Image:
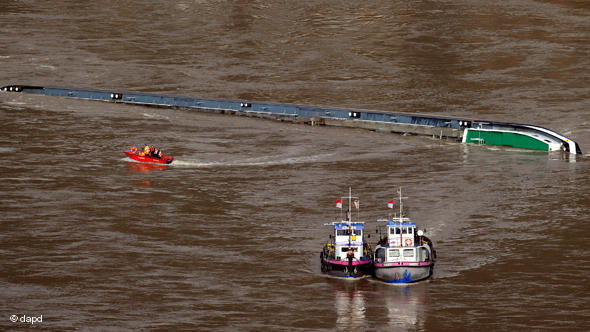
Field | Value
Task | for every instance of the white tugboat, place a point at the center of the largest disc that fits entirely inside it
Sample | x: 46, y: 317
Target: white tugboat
x: 403, y: 254
x: 347, y: 255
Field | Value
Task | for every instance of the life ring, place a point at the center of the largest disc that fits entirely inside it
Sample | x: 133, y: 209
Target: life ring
x: 133, y: 149
x: 408, y: 242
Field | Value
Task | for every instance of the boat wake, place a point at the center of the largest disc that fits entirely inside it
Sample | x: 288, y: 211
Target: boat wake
x: 6, y: 149
x: 263, y: 162
x: 155, y: 116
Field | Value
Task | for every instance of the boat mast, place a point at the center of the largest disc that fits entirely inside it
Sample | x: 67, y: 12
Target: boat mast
x: 401, y: 203
x: 349, y: 216
x: 401, y: 215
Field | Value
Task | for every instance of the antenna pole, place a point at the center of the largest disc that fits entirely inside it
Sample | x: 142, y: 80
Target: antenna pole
x: 401, y: 216
x: 401, y: 203
x: 349, y: 210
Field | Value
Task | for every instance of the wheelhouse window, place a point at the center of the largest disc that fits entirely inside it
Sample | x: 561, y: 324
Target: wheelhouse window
x: 407, y: 230
x: 346, y: 232
x: 394, y: 230
x: 345, y: 249
x: 380, y: 255
x: 393, y: 253
x: 409, y: 253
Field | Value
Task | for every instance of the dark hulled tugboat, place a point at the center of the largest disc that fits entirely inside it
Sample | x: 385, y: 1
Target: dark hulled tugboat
x: 347, y: 255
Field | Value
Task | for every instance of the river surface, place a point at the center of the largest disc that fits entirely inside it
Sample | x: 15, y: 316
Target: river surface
x: 227, y: 238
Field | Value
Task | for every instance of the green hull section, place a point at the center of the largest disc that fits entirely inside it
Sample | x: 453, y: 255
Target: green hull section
x: 505, y: 138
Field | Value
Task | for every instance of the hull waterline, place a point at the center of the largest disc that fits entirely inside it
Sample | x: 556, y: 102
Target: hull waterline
x: 403, y: 274
x: 343, y: 269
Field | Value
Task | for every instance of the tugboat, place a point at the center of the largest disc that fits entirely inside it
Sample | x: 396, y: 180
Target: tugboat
x: 347, y: 255
x: 403, y: 254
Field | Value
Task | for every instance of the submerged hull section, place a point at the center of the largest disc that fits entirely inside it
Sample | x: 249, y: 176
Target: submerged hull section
x: 403, y: 274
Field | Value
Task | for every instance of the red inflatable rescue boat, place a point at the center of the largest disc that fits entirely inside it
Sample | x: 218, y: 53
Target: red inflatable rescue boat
x: 134, y: 154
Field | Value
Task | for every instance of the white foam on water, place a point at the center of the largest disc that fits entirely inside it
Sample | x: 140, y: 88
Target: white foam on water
x: 17, y: 103
x: 50, y: 67
x: 155, y: 116
x: 249, y: 162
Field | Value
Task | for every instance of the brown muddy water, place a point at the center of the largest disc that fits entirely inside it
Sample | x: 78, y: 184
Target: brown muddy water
x: 228, y: 237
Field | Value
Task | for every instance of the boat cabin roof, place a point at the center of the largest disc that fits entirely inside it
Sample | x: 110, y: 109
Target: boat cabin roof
x: 404, y: 222
x: 346, y: 225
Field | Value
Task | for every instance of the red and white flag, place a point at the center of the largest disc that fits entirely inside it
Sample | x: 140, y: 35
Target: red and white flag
x: 339, y: 203
x: 390, y: 204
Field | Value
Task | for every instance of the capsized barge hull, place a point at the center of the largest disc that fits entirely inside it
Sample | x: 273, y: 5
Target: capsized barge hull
x: 520, y: 136
x: 404, y: 123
